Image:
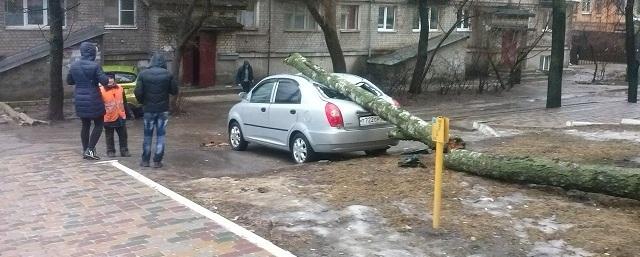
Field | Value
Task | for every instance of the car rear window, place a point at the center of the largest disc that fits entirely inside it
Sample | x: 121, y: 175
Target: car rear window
x: 123, y: 77
x: 334, y: 94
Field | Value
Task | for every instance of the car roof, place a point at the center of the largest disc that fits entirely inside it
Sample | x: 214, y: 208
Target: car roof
x: 120, y: 68
x: 349, y: 77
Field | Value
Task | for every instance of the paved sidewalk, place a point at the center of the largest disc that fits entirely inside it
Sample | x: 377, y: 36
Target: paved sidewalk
x: 60, y: 205
x: 529, y: 110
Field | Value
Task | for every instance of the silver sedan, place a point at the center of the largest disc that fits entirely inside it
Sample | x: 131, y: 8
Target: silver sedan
x: 296, y: 114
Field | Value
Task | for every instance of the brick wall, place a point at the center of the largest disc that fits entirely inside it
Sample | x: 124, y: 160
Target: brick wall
x: 87, y: 13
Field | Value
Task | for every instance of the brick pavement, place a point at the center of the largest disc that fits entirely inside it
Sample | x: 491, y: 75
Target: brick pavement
x: 60, y: 205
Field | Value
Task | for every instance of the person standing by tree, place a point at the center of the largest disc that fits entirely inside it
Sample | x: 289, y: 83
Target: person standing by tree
x: 86, y: 74
x: 153, y: 88
x: 244, y: 76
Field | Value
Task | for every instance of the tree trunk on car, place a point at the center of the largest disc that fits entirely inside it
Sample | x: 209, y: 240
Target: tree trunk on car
x: 408, y: 124
x: 589, y: 178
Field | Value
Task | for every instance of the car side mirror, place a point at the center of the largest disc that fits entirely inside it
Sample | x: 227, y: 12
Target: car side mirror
x: 243, y: 95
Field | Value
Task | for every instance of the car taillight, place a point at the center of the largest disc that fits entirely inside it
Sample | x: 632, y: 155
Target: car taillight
x: 396, y: 103
x: 334, y: 116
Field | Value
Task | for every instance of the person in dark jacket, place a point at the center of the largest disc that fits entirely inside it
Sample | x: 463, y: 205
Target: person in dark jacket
x: 86, y: 75
x: 244, y: 76
x: 153, y: 88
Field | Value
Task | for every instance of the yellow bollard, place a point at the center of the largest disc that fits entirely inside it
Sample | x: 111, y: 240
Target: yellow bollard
x: 439, y: 134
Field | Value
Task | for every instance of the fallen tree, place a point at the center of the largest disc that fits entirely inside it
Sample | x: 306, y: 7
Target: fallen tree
x: 597, y: 179
x: 409, y: 126
x: 608, y: 180
x: 21, y: 117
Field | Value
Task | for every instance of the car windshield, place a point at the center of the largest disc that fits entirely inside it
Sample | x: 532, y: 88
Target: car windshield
x: 334, y: 94
x: 123, y: 77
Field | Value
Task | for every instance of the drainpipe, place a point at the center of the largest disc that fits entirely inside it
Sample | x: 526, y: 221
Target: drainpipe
x: 269, y: 41
x: 370, y: 27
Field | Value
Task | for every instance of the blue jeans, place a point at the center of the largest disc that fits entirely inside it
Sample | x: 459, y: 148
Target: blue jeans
x: 154, y: 121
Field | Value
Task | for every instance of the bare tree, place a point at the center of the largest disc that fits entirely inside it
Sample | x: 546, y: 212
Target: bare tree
x: 423, y: 48
x: 554, y: 90
x: 327, y: 19
x: 56, y: 17
x: 56, y: 53
x: 631, y: 51
x: 186, y: 19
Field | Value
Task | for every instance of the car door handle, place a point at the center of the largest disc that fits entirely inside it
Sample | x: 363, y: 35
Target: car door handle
x: 292, y: 111
x: 263, y: 109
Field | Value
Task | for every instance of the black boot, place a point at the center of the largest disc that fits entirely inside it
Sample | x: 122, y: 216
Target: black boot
x: 124, y: 152
x: 90, y: 154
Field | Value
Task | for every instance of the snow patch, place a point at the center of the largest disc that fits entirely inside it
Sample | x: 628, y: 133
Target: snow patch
x: 356, y: 229
x: 557, y: 248
x: 547, y: 226
x: 499, y: 206
x: 605, y: 135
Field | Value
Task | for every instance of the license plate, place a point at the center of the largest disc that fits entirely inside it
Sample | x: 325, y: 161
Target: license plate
x: 371, y: 120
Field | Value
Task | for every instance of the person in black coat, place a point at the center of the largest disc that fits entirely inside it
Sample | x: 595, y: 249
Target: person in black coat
x: 153, y: 88
x: 244, y: 76
x: 86, y: 75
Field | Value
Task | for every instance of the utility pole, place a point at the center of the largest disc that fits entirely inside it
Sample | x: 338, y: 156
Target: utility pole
x: 630, y: 46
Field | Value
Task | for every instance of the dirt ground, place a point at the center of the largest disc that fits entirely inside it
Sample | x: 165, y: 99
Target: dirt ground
x: 371, y: 207
x: 361, y: 206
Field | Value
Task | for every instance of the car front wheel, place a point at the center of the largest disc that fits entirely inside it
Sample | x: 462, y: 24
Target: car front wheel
x: 301, y: 150
x: 236, y: 139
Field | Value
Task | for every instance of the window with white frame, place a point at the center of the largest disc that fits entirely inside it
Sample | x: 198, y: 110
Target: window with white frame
x: 465, y: 22
x: 249, y: 17
x: 545, y: 62
x: 27, y: 13
x: 120, y: 13
x: 386, y: 18
x: 586, y: 6
x: 349, y: 19
x: 433, y: 20
x: 297, y: 17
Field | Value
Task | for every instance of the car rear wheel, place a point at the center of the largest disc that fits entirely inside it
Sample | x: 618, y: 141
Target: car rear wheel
x: 376, y: 152
x: 236, y: 139
x: 301, y: 150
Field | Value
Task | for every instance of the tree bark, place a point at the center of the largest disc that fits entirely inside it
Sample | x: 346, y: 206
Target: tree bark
x: 630, y: 45
x: 328, y: 24
x: 409, y: 125
x: 589, y: 178
x: 423, y: 49
x: 56, y: 54
x: 613, y: 181
x: 554, y: 89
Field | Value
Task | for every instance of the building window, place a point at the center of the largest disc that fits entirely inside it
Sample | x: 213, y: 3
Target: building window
x: 26, y: 13
x: 465, y: 23
x: 586, y: 6
x: 433, y: 20
x: 120, y: 13
x: 386, y: 18
x: 349, y: 17
x: 547, y: 21
x: 249, y: 17
x: 297, y: 17
x: 545, y: 61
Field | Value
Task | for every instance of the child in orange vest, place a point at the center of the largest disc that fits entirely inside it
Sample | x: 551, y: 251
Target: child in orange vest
x: 115, y: 117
